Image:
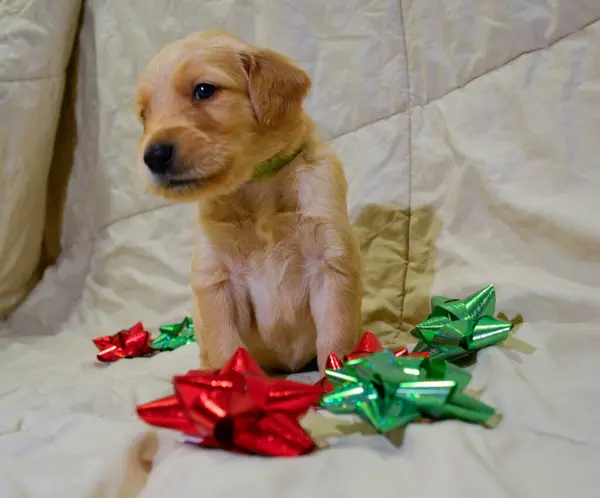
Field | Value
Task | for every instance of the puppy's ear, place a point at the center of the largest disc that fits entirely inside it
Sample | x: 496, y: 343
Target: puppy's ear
x: 276, y: 86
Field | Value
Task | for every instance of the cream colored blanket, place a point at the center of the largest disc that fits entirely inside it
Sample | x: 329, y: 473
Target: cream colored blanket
x: 469, y: 133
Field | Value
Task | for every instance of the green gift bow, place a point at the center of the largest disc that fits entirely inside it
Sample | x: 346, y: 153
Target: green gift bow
x: 174, y: 335
x: 390, y: 392
x: 458, y: 327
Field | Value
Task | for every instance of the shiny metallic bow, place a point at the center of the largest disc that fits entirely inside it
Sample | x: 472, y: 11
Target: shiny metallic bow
x: 458, y: 327
x: 129, y: 343
x: 175, y: 335
x: 238, y: 408
x: 367, y: 345
x: 389, y: 392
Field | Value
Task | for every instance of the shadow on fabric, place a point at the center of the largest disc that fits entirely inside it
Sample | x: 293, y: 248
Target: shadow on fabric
x: 399, y: 253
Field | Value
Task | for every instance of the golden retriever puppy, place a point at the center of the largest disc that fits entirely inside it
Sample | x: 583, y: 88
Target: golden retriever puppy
x: 276, y: 266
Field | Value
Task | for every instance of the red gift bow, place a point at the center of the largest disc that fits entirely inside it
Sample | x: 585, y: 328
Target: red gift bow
x: 367, y: 345
x: 238, y: 408
x: 124, y: 344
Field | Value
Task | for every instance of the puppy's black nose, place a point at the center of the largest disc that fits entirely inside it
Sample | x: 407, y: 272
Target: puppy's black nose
x: 159, y: 157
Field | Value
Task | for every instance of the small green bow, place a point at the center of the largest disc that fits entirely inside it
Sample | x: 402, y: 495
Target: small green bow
x: 174, y: 335
x: 457, y: 327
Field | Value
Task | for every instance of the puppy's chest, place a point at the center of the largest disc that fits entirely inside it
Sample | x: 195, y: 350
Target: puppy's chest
x: 273, y: 241
x: 276, y: 251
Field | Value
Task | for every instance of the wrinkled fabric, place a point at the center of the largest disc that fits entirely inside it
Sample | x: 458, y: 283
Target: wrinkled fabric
x: 469, y: 135
x: 35, y: 45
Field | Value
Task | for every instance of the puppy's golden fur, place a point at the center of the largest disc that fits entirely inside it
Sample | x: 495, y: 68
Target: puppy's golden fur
x: 276, y: 267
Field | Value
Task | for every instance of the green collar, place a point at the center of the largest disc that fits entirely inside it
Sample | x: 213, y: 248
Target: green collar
x: 274, y: 164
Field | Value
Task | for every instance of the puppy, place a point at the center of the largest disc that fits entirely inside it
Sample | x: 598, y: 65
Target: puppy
x: 276, y: 267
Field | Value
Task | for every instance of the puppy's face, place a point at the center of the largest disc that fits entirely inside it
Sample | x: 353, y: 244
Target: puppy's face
x: 212, y: 106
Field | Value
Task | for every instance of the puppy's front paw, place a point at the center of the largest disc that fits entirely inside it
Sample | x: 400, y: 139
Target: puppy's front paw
x: 324, y: 352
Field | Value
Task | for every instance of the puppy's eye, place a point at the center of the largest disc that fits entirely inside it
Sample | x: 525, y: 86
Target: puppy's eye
x: 203, y: 91
x: 142, y: 115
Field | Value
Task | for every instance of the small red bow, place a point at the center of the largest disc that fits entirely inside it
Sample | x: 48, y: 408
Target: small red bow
x: 124, y: 344
x: 238, y: 408
x: 367, y: 345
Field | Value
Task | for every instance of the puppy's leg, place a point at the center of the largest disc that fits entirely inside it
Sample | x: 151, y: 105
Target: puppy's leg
x: 335, y: 302
x: 219, y: 312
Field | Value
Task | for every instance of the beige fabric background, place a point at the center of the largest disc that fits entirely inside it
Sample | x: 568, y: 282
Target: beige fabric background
x: 36, y: 39
x: 469, y: 134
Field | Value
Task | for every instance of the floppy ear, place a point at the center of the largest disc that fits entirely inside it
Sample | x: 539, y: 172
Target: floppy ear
x: 276, y: 86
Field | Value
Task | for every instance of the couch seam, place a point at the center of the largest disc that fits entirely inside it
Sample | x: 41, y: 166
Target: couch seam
x: 509, y: 61
x: 369, y: 123
x: 409, y: 153
x: 31, y: 78
x: 460, y: 87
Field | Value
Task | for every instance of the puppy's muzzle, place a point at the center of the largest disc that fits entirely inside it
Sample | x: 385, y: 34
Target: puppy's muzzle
x: 160, y: 157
